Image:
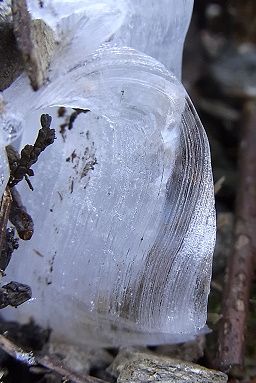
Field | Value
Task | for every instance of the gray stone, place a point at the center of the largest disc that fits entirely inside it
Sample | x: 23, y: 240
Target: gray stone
x: 124, y: 356
x: 150, y: 368
x: 44, y: 45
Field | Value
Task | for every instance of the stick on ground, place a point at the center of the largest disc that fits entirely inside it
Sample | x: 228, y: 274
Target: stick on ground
x: 241, y: 262
x: 47, y: 361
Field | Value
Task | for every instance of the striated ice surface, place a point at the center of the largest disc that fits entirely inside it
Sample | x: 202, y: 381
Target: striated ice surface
x: 157, y: 28
x: 122, y: 204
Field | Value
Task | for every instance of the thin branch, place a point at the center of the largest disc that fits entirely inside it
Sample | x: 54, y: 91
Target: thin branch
x: 56, y: 366
x: 20, y: 165
x: 11, y: 243
x: 241, y: 262
x: 47, y: 361
x: 17, y: 352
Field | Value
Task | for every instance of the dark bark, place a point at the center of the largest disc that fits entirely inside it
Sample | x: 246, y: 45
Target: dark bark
x: 241, y: 263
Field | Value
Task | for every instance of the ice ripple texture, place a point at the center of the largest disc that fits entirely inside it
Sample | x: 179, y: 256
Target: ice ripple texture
x: 123, y: 206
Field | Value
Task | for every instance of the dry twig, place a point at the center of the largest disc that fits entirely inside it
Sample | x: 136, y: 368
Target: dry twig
x: 11, y: 208
x: 20, y: 166
x: 47, y: 361
x: 54, y: 365
x: 20, y: 218
x: 241, y: 262
x: 11, y: 244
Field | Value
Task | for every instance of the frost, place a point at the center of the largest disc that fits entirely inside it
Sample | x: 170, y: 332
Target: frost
x: 123, y: 202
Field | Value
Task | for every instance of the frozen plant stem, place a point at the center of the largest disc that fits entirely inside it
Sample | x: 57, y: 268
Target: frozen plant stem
x: 20, y: 166
x: 19, y: 217
x: 5, y: 207
x: 241, y: 262
x: 12, y: 209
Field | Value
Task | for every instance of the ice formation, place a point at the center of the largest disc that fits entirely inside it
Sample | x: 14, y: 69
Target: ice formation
x: 123, y: 203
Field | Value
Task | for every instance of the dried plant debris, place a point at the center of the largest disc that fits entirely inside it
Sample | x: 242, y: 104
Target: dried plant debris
x: 11, y: 243
x: 4, y: 215
x: 69, y: 119
x: 74, y: 115
x: 13, y: 210
x: 20, y: 165
x: 37, y: 364
x: 19, y: 217
x: 14, y: 294
x: 61, y: 111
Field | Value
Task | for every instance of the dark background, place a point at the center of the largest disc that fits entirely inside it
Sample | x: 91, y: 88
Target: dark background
x: 219, y: 73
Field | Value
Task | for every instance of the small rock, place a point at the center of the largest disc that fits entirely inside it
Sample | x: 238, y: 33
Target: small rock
x: 125, y: 355
x: 44, y: 45
x: 168, y: 371
x: 150, y: 368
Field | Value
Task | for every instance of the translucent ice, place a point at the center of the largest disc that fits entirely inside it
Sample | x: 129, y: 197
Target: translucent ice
x: 157, y: 28
x: 81, y: 26
x: 123, y: 205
